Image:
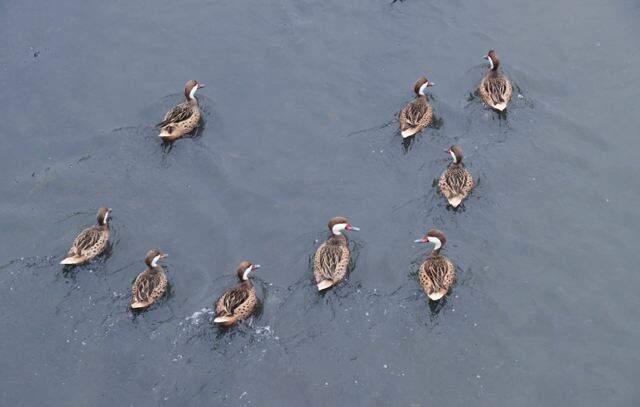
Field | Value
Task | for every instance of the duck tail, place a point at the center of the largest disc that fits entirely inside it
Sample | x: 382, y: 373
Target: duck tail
x: 166, y: 132
x: 409, y: 132
x: 324, y: 284
x: 225, y: 320
x: 500, y: 106
x: 139, y: 305
x: 72, y: 260
x: 455, y: 201
x: 436, y: 295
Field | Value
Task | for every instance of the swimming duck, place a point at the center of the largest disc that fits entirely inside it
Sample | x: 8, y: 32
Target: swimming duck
x: 437, y: 273
x: 418, y: 113
x: 495, y: 88
x: 455, y: 182
x: 151, y: 284
x: 332, y: 257
x: 239, y: 302
x: 90, y: 242
x: 183, y: 118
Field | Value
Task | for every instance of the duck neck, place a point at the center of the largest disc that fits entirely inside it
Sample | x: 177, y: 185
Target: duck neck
x: 337, y: 238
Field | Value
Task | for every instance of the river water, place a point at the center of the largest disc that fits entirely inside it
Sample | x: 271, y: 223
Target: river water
x: 300, y: 125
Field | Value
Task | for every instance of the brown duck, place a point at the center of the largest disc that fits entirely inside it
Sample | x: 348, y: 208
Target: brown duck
x: 239, y: 302
x: 495, y: 88
x: 332, y: 257
x: 183, y: 118
x: 418, y: 113
x: 90, y: 242
x: 151, y: 284
x: 455, y: 182
x: 437, y: 273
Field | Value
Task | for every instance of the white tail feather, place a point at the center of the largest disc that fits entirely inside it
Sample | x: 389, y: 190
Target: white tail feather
x: 455, y: 201
x: 435, y: 296
x: 500, y: 106
x: 409, y: 132
x: 138, y: 305
x: 72, y: 260
x: 324, y: 284
x: 223, y: 320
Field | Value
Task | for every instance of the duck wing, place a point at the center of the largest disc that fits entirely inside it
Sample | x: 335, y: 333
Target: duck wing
x: 85, y: 241
x: 178, y: 113
x: 456, y: 180
x: 416, y: 113
x: 148, y: 287
x: 498, y: 88
x: 330, y: 261
x: 231, y: 300
x: 437, y: 273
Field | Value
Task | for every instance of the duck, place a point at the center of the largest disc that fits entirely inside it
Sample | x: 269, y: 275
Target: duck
x: 151, y: 284
x: 239, y: 302
x: 437, y: 273
x: 495, y: 88
x: 91, y: 241
x: 182, y: 118
x: 332, y: 257
x: 418, y: 113
x: 455, y: 182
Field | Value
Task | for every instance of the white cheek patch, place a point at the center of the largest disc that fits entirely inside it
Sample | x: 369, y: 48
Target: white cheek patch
x: 154, y: 262
x: 490, y: 61
x: 245, y: 275
x: 106, y: 217
x: 338, y: 228
x: 193, y: 92
x: 455, y: 159
x: 423, y: 88
x: 435, y: 241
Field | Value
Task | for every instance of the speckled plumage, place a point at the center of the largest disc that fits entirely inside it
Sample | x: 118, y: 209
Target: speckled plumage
x: 331, y: 260
x: 495, y: 90
x: 150, y: 285
x: 90, y: 242
x: 455, y: 184
x: 437, y: 273
x: 436, y: 276
x: 417, y: 114
x: 239, y: 302
x: 183, y: 118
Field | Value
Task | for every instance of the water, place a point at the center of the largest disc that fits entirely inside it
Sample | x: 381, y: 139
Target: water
x: 300, y: 114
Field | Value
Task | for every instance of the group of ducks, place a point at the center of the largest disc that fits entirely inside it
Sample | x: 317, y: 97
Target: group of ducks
x: 331, y: 260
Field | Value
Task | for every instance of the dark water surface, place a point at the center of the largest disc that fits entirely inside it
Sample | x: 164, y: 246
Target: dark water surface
x: 300, y: 113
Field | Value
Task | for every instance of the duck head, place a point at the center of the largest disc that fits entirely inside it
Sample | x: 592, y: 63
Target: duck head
x: 434, y: 236
x: 153, y: 257
x: 244, y: 268
x: 103, y: 215
x: 493, y: 59
x: 421, y: 85
x: 456, y: 154
x: 338, y: 224
x: 190, y: 89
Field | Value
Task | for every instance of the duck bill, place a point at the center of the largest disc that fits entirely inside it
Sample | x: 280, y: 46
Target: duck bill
x: 349, y: 227
x: 201, y: 85
x: 423, y: 240
x: 164, y: 256
x: 255, y: 267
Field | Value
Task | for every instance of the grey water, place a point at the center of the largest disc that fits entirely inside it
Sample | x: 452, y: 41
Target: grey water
x: 300, y: 115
